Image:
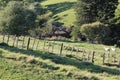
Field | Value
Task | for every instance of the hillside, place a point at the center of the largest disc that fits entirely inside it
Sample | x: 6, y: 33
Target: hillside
x: 17, y: 64
x: 63, y: 10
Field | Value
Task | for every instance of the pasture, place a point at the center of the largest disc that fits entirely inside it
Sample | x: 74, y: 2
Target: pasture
x: 45, y: 62
x: 63, y: 10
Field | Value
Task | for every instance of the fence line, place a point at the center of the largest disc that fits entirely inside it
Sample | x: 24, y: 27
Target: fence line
x: 61, y: 49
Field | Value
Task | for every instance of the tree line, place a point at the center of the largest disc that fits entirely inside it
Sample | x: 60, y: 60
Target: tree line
x: 98, y: 21
x: 24, y: 17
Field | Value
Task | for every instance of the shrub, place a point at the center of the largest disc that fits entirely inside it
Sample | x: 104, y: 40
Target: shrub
x: 95, y: 32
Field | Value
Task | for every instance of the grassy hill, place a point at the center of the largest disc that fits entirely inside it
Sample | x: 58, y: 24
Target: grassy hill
x: 62, y: 10
x: 21, y: 64
x: 17, y: 64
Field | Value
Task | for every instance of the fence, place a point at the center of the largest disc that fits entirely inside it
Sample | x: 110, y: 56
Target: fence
x: 86, y: 55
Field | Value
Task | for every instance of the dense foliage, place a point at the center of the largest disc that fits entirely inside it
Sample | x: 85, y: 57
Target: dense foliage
x: 117, y: 14
x: 19, y: 17
x: 89, y: 11
x: 95, y: 32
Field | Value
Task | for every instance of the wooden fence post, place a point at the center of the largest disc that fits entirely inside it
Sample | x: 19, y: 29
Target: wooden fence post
x: 61, y: 49
x: 109, y: 57
x: 93, y: 56
x: 53, y: 46
x: 17, y: 41
x: 3, y: 38
x: 49, y: 46
x: 37, y: 44
x: 83, y: 56
x: 44, y: 44
x: 14, y: 40
x: 28, y: 43
x: 114, y: 60
x: 23, y: 42
x: 103, y: 58
x: 8, y: 39
x: 89, y: 55
x: 33, y: 43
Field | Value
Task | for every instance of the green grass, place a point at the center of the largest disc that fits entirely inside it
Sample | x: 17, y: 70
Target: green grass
x: 17, y: 64
x: 20, y: 64
x: 63, y: 10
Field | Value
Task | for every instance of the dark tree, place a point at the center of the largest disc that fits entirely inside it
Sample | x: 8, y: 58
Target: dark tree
x: 88, y: 11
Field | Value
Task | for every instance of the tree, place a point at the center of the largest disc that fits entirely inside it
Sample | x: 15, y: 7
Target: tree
x: 44, y: 25
x: 3, y: 3
x: 117, y: 14
x: 95, y: 31
x: 106, y: 10
x: 88, y: 11
x: 17, y: 19
x: 85, y: 11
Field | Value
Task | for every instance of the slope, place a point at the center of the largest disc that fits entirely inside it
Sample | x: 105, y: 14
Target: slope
x: 63, y: 10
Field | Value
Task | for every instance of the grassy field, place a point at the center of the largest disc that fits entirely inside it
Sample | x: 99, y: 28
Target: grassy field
x: 63, y: 10
x: 21, y: 64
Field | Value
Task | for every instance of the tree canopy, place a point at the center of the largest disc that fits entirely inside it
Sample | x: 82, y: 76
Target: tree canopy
x: 16, y: 18
x: 89, y: 11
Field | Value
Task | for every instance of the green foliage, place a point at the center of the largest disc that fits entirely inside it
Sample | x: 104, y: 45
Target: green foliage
x: 17, y: 19
x: 95, y: 31
x: 75, y: 33
x: 117, y: 14
x: 85, y: 11
x: 95, y: 10
x: 44, y: 25
x: 88, y: 11
x: 106, y: 10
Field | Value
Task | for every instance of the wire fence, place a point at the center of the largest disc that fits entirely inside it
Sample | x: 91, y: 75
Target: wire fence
x: 61, y: 49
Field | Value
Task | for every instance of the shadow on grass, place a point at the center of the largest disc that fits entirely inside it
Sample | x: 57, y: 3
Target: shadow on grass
x: 1, y: 54
x: 60, y: 7
x: 65, y: 61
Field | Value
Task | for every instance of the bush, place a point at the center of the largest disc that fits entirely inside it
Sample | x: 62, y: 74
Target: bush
x: 95, y: 32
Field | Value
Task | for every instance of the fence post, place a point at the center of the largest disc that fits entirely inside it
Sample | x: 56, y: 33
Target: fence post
x: 23, y: 42
x: 3, y: 38
x: 83, y: 56
x: 53, y: 46
x: 37, y: 44
x: 8, y: 39
x: 28, y: 43
x: 44, y: 44
x: 72, y: 48
x: 17, y: 41
x: 103, y: 58
x: 33, y: 43
x: 89, y: 55
x: 49, y: 46
x: 93, y: 56
x: 109, y: 57
x: 14, y: 40
x: 61, y: 49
